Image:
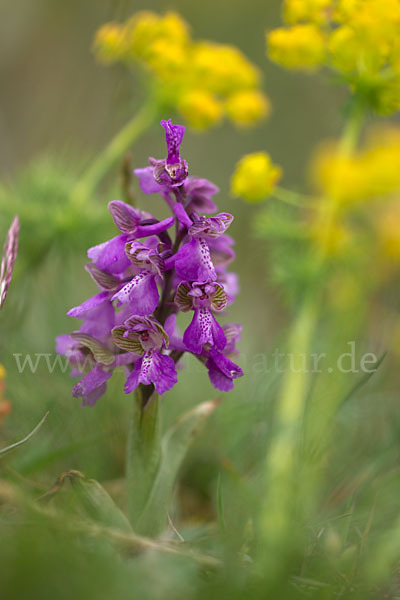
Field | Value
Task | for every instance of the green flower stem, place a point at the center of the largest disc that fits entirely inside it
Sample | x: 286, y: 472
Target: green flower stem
x: 292, y: 198
x: 113, y: 152
x: 143, y: 451
x: 8, y: 449
x: 284, y: 484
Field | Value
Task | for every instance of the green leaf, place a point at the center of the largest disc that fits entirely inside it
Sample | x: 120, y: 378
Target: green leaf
x: 25, y: 439
x: 364, y: 379
x: 175, y: 444
x: 97, y: 502
x: 220, y: 505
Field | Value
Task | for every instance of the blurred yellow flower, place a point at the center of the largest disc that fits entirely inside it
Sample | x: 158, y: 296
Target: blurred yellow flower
x: 109, y: 43
x: 222, y: 69
x: 145, y: 29
x: 349, y: 54
x: 330, y: 234
x: 298, y: 47
x: 372, y: 172
x: 2, y: 372
x: 388, y: 231
x: 204, y: 80
x: 255, y: 177
x: 362, y: 43
x: 200, y: 108
x: 313, y: 11
x: 248, y: 107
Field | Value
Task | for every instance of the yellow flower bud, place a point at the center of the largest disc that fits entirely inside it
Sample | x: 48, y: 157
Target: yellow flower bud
x: 300, y: 47
x: 255, y: 177
x: 248, y: 107
x: 146, y: 29
x: 388, y: 97
x: 167, y: 59
x: 222, y: 69
x: 350, y: 53
x: 200, y: 108
x: 110, y: 43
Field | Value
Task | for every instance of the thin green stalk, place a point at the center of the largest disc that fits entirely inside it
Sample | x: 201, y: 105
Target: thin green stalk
x: 112, y: 153
x: 292, y: 198
x: 282, y: 466
x: 8, y: 449
x: 143, y: 452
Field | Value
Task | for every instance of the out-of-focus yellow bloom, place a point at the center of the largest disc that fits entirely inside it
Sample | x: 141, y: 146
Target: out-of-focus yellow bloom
x: 298, y: 47
x: 365, y: 175
x: 362, y: 44
x: 339, y: 178
x: 200, y: 108
x: 167, y: 59
x: 145, y: 29
x: 223, y: 69
x: 110, y: 43
x: 329, y: 234
x: 248, y: 107
x: 388, y: 97
x: 255, y: 177
x: 388, y: 231
x: 349, y: 54
x: 2, y: 372
x: 313, y: 11
x: 204, y: 80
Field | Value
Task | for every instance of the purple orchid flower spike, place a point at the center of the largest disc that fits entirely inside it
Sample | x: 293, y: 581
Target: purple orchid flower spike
x: 146, y: 337
x: 134, y: 224
x: 10, y: 251
x: 221, y: 370
x: 199, y: 193
x: 145, y: 277
x: 204, y: 328
x: 141, y: 291
x: 92, y: 358
x: 168, y: 173
x: 193, y: 261
x: 85, y: 351
x: 173, y: 171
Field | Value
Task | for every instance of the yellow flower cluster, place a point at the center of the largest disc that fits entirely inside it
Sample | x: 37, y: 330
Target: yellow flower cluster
x: 301, y: 46
x: 205, y: 81
x: 358, y: 38
x: 372, y: 172
x: 359, y: 195
x: 255, y: 177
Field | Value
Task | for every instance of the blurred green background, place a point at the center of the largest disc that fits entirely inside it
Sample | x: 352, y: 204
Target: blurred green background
x: 58, y: 108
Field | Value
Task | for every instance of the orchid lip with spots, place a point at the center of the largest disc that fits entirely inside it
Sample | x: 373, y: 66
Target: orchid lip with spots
x: 146, y: 276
